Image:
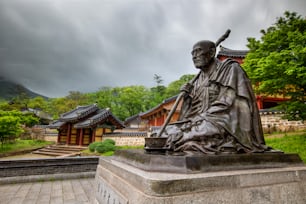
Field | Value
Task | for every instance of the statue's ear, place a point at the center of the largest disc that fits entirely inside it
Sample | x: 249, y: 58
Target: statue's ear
x: 212, y: 52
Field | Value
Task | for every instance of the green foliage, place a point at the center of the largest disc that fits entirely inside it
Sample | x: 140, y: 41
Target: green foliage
x: 29, y: 120
x: 21, y: 145
x: 102, y: 147
x: 92, y: 146
x: 38, y: 103
x: 276, y: 63
x: 10, y: 128
x: 110, y: 153
x: 290, y: 144
x: 174, y: 87
x: 110, y: 141
x: 105, y: 147
x: 157, y: 93
x: 58, y: 106
x: 129, y: 147
x: 11, y: 124
x: 123, y: 101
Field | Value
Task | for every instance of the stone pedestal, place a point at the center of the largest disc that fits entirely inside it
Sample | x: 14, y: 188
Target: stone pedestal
x: 125, y: 179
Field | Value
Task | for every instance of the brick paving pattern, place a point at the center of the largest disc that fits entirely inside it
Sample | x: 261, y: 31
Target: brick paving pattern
x: 76, y: 191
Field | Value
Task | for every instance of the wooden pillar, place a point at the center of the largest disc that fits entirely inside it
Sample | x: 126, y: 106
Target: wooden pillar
x: 68, y: 133
x: 155, y: 120
x: 58, y: 136
x: 259, y: 101
x: 93, y: 137
x: 81, y: 137
x: 103, y: 132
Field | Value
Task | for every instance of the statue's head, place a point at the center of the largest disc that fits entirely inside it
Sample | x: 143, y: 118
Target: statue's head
x: 203, y: 53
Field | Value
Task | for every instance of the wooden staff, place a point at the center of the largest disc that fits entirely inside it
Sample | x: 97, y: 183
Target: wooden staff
x: 181, y: 95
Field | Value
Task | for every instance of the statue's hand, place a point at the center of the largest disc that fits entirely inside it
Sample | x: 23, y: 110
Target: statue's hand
x: 187, y: 88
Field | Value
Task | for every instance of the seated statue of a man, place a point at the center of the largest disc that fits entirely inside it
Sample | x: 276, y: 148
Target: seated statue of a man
x: 219, y: 112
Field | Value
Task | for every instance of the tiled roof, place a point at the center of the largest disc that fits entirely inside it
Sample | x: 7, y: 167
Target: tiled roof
x: 100, y: 117
x: 78, y: 113
x: 173, y: 98
x: 56, y: 124
x: 232, y: 53
x: 132, y: 118
x: 39, y: 113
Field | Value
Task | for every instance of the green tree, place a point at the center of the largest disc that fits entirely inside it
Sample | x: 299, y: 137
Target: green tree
x: 20, y: 102
x: 157, y: 93
x: 38, y: 103
x: 26, y: 119
x: 174, y: 87
x: 10, y: 125
x: 103, y: 97
x: 276, y: 63
x: 58, y: 106
x: 4, y: 105
x: 133, y: 98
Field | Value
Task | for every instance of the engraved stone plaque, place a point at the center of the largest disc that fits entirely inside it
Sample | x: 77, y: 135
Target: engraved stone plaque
x: 105, y: 194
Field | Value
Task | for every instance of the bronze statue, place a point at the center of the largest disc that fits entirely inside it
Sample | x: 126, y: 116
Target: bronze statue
x: 219, y: 112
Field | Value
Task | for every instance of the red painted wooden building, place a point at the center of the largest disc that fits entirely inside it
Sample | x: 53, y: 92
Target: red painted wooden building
x: 157, y: 115
x: 84, y: 125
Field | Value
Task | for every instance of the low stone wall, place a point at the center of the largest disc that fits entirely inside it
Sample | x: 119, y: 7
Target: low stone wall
x: 273, y: 122
x: 27, y: 167
x: 50, y: 137
x: 129, y: 138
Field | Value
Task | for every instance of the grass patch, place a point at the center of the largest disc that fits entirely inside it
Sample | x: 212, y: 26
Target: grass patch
x: 129, y: 147
x: 109, y: 153
x: 87, y: 152
x: 22, y: 145
x: 290, y: 144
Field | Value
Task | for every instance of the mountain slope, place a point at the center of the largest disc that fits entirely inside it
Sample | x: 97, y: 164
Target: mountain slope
x: 10, y: 90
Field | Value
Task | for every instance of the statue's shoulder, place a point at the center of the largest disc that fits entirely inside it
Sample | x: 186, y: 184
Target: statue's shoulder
x: 230, y: 67
x: 229, y: 62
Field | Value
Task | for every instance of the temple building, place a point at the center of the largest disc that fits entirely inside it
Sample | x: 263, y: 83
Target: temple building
x: 84, y: 125
x: 237, y: 55
x: 157, y: 115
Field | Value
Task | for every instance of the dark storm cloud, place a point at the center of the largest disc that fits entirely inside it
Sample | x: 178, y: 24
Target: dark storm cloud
x: 54, y: 46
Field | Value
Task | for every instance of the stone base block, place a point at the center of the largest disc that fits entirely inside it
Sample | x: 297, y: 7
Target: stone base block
x: 119, y: 182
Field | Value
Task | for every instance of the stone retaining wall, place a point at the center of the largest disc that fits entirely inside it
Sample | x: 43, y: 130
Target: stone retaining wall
x: 129, y: 139
x: 273, y: 122
x: 27, y: 167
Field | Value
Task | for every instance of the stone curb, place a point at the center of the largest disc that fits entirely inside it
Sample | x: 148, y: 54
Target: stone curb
x: 47, y: 177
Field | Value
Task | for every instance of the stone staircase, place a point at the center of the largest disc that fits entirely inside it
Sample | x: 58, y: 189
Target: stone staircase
x: 60, y: 151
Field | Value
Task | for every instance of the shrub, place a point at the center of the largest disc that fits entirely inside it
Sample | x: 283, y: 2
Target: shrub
x: 92, y: 146
x: 105, y: 147
x: 109, y: 141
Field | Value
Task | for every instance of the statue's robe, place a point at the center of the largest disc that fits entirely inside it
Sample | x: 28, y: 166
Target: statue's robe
x: 219, y: 115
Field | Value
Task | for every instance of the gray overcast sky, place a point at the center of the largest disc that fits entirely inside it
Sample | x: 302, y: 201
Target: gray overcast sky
x: 56, y: 46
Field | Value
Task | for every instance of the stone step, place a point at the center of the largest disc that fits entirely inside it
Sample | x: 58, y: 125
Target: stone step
x: 68, y: 147
x: 55, y: 154
x: 65, y: 148
x: 58, y: 150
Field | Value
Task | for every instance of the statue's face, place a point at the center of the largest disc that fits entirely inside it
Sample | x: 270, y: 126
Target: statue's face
x: 202, y: 54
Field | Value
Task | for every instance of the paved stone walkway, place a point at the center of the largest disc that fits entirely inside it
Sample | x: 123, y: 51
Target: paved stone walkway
x: 75, y: 191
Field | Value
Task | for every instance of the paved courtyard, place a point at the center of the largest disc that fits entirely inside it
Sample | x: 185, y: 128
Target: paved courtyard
x: 75, y: 191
